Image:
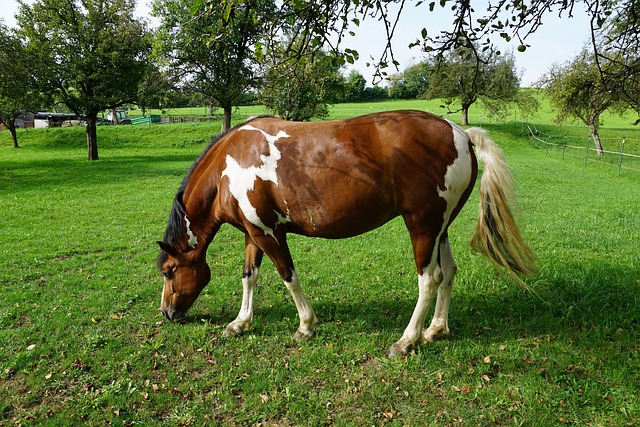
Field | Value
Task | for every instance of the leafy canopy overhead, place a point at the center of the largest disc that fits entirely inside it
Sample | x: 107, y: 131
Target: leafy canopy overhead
x: 474, y: 25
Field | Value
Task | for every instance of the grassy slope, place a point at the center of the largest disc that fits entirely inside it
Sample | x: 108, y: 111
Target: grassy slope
x: 81, y: 339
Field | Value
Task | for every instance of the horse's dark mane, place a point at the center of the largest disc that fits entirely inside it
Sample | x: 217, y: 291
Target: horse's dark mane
x: 175, y: 225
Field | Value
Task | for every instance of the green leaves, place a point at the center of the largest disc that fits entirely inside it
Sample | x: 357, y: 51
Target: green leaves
x: 351, y: 55
x: 466, y: 76
x: 216, y: 49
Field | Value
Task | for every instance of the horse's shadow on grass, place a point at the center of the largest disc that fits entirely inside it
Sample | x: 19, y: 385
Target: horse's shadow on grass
x: 561, y: 304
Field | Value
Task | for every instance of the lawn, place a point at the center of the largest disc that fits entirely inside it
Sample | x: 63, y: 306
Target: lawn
x: 82, y: 341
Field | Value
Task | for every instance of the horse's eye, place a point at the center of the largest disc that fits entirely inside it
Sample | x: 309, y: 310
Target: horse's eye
x: 168, y: 274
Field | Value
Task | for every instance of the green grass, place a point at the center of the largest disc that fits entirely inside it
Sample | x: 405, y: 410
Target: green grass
x: 82, y: 341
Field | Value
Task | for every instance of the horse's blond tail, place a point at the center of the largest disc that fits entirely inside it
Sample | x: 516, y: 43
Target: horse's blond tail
x: 496, y: 234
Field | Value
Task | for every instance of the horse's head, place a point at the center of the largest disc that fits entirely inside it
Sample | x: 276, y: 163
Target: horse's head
x: 185, y: 275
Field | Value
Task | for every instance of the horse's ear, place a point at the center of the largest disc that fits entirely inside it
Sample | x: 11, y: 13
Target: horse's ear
x: 167, y: 248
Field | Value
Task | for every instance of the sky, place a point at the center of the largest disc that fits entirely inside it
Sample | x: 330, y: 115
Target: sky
x: 557, y: 41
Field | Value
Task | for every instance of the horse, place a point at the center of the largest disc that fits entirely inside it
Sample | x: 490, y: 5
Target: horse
x: 336, y: 179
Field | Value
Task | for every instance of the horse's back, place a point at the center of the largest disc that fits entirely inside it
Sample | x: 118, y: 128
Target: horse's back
x: 341, y: 178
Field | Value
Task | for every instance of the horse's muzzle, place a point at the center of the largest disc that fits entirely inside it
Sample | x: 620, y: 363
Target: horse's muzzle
x: 172, y: 314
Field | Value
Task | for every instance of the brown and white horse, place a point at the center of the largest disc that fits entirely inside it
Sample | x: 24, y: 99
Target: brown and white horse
x: 336, y: 179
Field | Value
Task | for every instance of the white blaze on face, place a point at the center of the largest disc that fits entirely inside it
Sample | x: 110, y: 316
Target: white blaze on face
x: 241, y: 180
x: 458, y: 175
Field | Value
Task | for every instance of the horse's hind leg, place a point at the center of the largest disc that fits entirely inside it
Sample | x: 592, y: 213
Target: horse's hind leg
x: 429, y: 279
x: 440, y: 324
x: 252, y: 261
x: 308, y: 318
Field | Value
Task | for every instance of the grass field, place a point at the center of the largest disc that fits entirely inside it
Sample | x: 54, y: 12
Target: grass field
x: 82, y: 341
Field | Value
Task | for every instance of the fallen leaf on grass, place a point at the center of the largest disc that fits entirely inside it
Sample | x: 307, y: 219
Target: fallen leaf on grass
x: 465, y: 389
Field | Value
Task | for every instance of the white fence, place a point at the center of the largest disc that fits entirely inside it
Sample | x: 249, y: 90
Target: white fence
x: 572, y: 146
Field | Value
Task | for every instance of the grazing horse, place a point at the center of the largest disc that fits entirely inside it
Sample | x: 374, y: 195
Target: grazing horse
x: 336, y: 179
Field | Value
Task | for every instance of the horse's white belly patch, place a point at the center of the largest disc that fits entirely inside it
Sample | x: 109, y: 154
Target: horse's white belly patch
x: 458, y: 174
x: 241, y: 180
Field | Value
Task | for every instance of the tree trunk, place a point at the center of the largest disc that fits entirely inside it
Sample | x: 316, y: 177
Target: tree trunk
x: 92, y: 138
x: 14, y: 134
x: 114, y: 117
x: 596, y: 136
x: 226, y: 121
x: 465, y: 116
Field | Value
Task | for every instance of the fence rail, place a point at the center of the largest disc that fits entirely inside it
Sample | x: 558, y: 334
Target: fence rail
x: 572, y: 146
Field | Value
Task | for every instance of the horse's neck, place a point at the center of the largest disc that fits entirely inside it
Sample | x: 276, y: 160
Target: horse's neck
x: 199, y: 203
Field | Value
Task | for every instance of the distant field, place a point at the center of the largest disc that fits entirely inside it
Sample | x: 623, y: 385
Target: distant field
x: 614, y: 129
x: 82, y: 341
x: 477, y: 117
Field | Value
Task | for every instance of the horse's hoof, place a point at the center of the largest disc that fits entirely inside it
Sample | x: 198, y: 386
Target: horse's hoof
x: 431, y: 335
x: 399, y: 349
x: 233, y: 330
x: 304, y: 335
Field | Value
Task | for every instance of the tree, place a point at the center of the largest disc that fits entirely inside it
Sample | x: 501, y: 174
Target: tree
x: 617, y: 54
x: 18, y: 94
x: 374, y: 93
x: 460, y: 77
x: 299, y: 89
x: 412, y: 83
x: 155, y: 89
x: 210, y: 47
x: 91, y: 54
x: 472, y: 26
x: 578, y: 90
x: 354, y: 87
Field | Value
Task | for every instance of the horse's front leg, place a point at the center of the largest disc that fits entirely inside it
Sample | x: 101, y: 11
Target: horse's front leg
x: 252, y: 261
x: 277, y: 249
